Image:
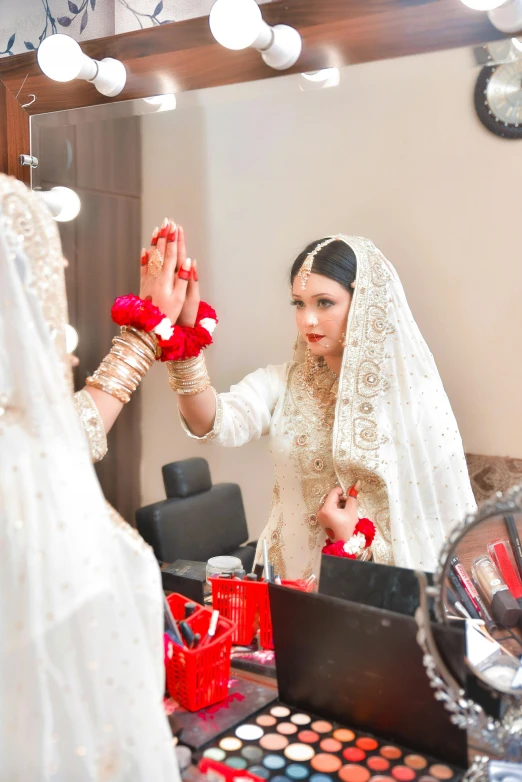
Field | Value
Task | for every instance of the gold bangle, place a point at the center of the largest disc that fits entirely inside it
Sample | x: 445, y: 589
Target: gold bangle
x: 188, y: 377
x: 129, y: 360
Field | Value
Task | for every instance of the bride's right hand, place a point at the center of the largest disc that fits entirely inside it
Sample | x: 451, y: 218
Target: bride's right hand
x: 159, y: 279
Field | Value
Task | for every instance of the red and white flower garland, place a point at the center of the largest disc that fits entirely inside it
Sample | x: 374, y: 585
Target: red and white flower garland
x: 177, y: 343
x: 362, y: 537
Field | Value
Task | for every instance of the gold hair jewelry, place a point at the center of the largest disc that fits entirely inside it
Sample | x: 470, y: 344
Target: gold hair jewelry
x: 306, y: 269
x: 155, y: 264
x: 122, y: 370
x: 188, y: 377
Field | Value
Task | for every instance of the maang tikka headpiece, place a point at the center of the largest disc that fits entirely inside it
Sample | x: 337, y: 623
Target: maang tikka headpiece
x: 306, y: 269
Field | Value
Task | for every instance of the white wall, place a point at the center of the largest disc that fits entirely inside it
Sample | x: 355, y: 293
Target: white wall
x: 254, y: 172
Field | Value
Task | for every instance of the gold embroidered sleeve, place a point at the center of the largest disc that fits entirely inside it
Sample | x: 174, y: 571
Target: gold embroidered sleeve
x: 216, y: 428
x: 92, y: 424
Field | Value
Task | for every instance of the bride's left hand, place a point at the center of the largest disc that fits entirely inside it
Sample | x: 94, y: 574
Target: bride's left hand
x: 188, y: 314
x: 338, y: 516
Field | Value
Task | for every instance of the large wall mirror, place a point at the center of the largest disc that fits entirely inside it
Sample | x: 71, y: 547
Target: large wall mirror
x: 256, y: 171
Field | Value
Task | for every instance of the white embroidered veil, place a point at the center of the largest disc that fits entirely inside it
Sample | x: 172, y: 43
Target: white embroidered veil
x: 81, y: 677
x: 394, y: 427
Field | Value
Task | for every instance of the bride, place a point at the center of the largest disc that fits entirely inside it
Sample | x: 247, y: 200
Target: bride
x: 81, y: 611
x: 362, y: 401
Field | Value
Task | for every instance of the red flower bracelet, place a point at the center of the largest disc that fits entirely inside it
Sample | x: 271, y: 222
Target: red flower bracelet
x: 177, y: 342
x: 363, y: 536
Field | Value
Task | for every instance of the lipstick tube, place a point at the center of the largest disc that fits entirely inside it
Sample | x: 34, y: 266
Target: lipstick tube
x: 504, y: 606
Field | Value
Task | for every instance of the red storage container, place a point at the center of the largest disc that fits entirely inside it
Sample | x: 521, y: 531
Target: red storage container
x: 240, y: 602
x: 199, y: 677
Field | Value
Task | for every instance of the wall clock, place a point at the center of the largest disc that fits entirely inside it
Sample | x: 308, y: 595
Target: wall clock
x: 498, y: 99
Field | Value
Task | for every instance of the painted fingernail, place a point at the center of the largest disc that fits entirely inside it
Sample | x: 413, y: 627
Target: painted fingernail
x: 144, y: 257
x: 164, y: 232
x: 185, y: 271
x: 155, y: 236
x: 194, y: 272
x: 172, y: 235
x: 165, y: 223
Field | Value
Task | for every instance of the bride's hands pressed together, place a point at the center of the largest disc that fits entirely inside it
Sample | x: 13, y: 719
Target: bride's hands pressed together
x: 168, y: 277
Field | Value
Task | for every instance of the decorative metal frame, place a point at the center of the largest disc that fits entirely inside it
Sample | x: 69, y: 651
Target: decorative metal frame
x: 502, y: 737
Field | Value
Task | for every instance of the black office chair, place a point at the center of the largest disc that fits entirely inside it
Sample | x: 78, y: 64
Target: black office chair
x: 197, y: 521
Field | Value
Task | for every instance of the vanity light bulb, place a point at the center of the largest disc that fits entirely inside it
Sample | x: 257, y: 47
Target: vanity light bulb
x: 63, y: 203
x: 71, y: 338
x: 327, y: 77
x: 60, y: 57
x: 484, y: 5
x: 165, y: 102
x: 235, y: 24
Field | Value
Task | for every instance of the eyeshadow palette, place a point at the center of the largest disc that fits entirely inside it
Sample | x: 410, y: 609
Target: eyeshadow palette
x: 283, y: 744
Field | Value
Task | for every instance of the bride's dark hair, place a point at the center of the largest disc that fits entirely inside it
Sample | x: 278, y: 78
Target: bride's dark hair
x: 337, y: 260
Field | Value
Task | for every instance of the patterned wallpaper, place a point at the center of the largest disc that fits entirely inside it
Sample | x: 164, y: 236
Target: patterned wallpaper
x: 25, y: 23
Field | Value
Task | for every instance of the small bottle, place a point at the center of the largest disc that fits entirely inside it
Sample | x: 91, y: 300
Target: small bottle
x: 504, y: 606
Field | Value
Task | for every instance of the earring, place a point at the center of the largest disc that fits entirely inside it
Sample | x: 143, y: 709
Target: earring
x: 343, y: 340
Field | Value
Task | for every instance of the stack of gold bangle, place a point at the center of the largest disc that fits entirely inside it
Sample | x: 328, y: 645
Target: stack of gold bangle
x: 188, y: 377
x: 123, y: 369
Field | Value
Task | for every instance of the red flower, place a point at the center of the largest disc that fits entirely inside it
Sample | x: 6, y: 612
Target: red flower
x: 336, y: 549
x: 367, y: 528
x: 205, y: 311
x: 132, y: 311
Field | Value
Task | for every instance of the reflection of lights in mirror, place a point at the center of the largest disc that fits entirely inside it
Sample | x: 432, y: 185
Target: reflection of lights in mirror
x: 71, y: 338
x: 162, y: 102
x: 63, y: 203
x: 483, y: 5
x: 238, y: 24
x: 517, y: 43
x: 328, y: 77
x: 61, y: 58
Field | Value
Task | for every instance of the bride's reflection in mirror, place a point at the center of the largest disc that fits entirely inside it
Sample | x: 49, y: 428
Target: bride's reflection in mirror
x: 259, y: 175
x: 483, y: 588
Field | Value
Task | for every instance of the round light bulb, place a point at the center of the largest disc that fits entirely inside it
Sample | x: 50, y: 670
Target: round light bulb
x: 60, y: 57
x: 235, y: 24
x: 71, y: 338
x: 70, y: 204
x: 483, y: 5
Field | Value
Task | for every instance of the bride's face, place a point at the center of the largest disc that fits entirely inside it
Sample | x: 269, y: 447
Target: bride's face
x: 321, y: 313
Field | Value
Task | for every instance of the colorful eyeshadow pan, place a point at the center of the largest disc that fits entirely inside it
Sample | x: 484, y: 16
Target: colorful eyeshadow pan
x: 308, y: 736
x: 391, y: 753
x: 367, y: 744
x: 326, y: 763
x: 320, y: 778
x: 440, y: 771
x: 238, y: 763
x: 354, y: 754
x: 280, y: 711
x: 274, y: 762
x: 299, y: 752
x: 321, y: 726
x: 214, y: 753
x: 297, y: 772
x: 376, y: 763
x: 259, y: 771
x: 230, y: 744
x: 301, y: 719
x: 266, y: 720
x: 403, y: 773
x: 343, y: 734
x: 252, y: 754
x: 352, y: 773
x: 379, y: 778
x: 279, y: 779
x: 273, y: 742
x: 287, y: 728
x: 249, y: 732
x: 330, y: 745
x: 417, y: 762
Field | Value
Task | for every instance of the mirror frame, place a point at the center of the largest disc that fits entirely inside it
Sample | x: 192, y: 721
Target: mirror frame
x: 184, y: 56
x: 496, y: 734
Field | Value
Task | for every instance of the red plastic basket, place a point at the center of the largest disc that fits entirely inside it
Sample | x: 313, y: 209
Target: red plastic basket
x: 265, y: 618
x: 239, y: 601
x: 177, y: 605
x: 197, y: 678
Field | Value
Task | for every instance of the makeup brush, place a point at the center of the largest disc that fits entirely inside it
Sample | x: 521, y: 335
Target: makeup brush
x: 211, y: 629
x: 171, y: 624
